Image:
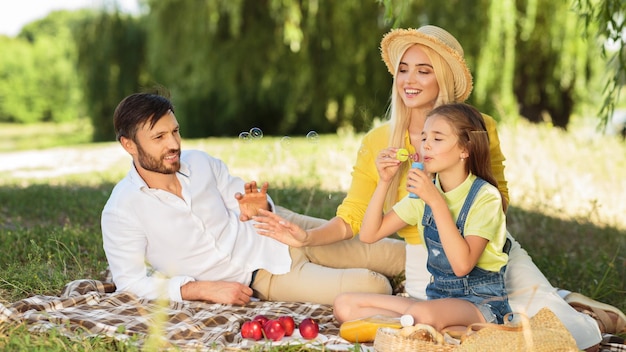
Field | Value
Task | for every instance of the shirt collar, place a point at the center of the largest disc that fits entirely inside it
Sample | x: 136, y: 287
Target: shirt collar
x: 460, y: 190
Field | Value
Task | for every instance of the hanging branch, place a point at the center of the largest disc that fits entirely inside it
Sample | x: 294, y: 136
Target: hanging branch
x: 610, y: 18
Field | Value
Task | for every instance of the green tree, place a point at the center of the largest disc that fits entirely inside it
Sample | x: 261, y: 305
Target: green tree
x: 554, y: 64
x: 39, y: 81
x: 284, y: 66
x: 290, y: 66
x: 111, y: 54
x: 526, y: 61
x: 17, y: 83
x: 606, y: 21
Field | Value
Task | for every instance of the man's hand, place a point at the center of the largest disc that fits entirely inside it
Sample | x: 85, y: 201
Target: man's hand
x: 253, y: 200
x: 224, y: 292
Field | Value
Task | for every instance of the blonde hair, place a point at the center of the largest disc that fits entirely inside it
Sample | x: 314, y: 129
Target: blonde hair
x: 399, y: 114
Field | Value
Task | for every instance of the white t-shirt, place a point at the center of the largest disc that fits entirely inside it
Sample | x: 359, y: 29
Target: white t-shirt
x: 156, y: 242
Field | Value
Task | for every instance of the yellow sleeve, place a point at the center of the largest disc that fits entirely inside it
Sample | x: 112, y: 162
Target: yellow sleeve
x: 497, y: 158
x: 364, y: 178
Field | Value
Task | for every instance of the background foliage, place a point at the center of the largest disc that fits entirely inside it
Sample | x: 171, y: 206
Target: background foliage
x: 291, y: 66
x: 38, y: 76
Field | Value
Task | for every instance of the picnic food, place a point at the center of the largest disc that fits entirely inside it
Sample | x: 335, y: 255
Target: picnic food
x: 402, y: 154
x: 288, y: 324
x: 309, y: 328
x: 364, y: 330
x: 422, y: 332
x: 252, y: 329
x: 261, y: 319
x: 274, y: 330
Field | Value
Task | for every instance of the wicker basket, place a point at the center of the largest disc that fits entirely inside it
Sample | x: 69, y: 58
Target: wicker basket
x: 390, y: 340
x: 544, y: 332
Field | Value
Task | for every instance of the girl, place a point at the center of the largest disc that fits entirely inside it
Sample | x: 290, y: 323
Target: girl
x: 462, y: 221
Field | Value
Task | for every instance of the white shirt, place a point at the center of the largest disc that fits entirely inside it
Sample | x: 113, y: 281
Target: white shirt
x: 156, y: 242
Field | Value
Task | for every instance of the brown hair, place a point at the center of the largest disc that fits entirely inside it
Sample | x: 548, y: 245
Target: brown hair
x: 138, y: 109
x: 470, y: 128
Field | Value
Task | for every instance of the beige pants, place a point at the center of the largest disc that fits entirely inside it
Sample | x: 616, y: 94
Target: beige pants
x: 318, y: 274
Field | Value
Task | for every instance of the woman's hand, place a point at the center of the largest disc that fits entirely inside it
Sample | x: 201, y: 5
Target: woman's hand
x: 387, y: 164
x: 272, y: 225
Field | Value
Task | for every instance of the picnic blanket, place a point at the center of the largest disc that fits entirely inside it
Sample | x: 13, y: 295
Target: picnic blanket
x: 89, y: 308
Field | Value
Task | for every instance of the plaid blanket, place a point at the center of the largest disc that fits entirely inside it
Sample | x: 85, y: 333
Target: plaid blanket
x: 88, y: 308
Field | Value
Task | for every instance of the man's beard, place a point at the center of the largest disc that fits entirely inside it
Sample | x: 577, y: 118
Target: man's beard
x: 153, y: 164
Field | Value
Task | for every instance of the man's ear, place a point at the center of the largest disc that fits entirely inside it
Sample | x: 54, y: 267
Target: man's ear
x: 128, y: 145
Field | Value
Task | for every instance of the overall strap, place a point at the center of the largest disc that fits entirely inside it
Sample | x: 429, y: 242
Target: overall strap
x: 476, y: 185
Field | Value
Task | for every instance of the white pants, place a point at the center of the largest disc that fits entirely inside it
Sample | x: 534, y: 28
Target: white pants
x: 528, y: 290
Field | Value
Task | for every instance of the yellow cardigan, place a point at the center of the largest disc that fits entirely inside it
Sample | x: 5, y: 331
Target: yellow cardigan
x: 365, y: 177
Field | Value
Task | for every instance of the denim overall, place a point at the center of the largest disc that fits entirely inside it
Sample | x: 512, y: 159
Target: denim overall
x: 482, y: 287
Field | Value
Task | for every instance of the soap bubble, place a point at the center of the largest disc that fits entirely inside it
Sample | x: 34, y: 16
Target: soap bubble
x: 285, y: 141
x: 245, y: 136
x: 312, y: 136
x: 256, y: 133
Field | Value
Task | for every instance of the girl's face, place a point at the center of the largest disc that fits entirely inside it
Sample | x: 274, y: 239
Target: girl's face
x: 440, y: 148
x: 415, y: 80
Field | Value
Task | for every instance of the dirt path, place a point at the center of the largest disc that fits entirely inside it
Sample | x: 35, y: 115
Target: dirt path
x: 60, y: 161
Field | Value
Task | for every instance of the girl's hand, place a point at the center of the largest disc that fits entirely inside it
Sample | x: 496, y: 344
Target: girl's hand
x: 273, y: 226
x: 421, y: 183
x: 387, y: 164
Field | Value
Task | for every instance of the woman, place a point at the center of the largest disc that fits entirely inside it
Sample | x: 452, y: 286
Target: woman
x: 445, y: 78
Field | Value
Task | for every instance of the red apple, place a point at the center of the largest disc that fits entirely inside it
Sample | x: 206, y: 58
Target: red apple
x: 309, y: 328
x: 288, y: 324
x: 261, y: 319
x: 274, y: 330
x: 252, y: 329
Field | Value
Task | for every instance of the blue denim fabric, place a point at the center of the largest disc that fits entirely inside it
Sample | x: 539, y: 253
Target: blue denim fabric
x: 482, y: 287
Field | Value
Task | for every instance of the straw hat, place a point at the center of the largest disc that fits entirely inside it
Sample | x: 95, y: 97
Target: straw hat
x: 397, y: 41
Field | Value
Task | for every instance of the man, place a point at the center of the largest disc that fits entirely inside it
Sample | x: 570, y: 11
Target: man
x: 178, y: 225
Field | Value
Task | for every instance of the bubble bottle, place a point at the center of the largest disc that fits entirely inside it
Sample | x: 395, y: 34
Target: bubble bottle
x: 416, y: 164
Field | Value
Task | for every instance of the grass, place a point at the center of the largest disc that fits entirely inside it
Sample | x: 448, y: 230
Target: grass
x: 566, y: 190
x: 38, y: 136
